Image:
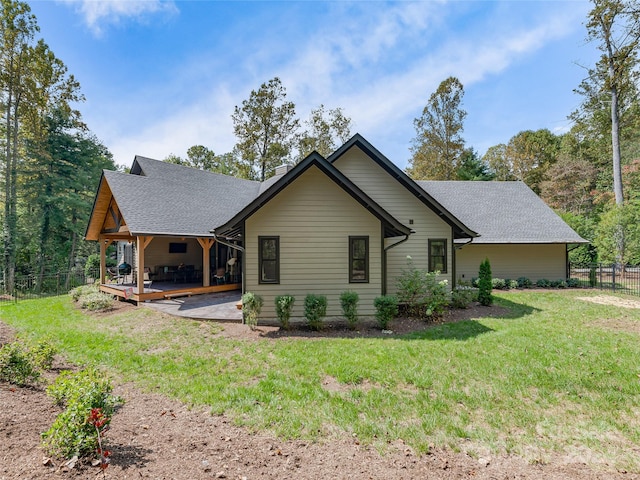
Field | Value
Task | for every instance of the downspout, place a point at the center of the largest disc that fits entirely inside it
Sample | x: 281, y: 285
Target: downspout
x: 453, y: 254
x: 567, y: 272
x: 389, y: 247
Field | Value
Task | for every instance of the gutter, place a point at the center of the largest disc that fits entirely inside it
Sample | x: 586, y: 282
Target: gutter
x: 406, y: 237
x: 230, y: 245
x: 462, y: 245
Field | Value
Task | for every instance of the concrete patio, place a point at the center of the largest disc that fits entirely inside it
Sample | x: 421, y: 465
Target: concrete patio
x: 210, y: 306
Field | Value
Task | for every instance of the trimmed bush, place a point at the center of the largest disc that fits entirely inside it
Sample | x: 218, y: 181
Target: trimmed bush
x: 524, y: 282
x: 349, y: 303
x: 386, y: 309
x: 512, y: 284
x: 485, y: 284
x: 251, y: 308
x: 23, y: 363
x: 96, y: 302
x: 462, y: 296
x: 72, y: 433
x: 558, y: 284
x: 315, y: 308
x: 543, y: 283
x: 82, y: 291
x: 573, y: 283
x: 498, y: 284
x: 284, y: 306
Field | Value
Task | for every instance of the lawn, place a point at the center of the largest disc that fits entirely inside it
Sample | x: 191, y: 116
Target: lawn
x: 558, y: 375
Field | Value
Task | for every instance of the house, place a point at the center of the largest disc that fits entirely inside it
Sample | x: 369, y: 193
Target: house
x: 347, y: 222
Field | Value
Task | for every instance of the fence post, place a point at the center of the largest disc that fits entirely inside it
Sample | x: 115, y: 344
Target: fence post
x: 613, y: 275
x: 600, y: 268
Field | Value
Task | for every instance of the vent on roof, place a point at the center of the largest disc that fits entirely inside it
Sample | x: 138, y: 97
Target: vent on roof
x: 282, y: 169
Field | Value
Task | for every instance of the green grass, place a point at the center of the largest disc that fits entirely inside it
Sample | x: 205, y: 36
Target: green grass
x: 557, y: 375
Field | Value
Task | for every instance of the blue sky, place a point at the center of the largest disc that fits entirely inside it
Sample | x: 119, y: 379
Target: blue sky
x: 160, y: 76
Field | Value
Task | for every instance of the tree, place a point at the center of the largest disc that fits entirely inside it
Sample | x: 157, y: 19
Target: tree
x: 17, y: 31
x: 326, y: 130
x: 59, y: 176
x: 615, y: 25
x: 569, y: 184
x: 198, y: 156
x: 202, y: 158
x: 438, y: 144
x: 266, y: 128
x: 526, y: 157
x: 619, y: 220
x: 485, y: 284
x: 472, y: 167
x: 496, y: 158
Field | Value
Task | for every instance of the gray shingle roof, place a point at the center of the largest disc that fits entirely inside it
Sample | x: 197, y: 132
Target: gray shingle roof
x: 502, y: 212
x: 168, y: 199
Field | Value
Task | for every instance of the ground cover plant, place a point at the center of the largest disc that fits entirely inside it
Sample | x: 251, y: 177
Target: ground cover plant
x: 557, y: 374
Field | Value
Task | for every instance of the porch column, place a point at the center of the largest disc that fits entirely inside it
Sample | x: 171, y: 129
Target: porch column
x: 142, y: 243
x: 104, y: 244
x: 206, y: 244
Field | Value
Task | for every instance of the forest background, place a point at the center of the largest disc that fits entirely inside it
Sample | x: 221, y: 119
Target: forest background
x: 51, y: 163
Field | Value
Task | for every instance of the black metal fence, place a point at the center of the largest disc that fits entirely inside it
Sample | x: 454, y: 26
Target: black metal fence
x: 613, y: 277
x: 38, y: 286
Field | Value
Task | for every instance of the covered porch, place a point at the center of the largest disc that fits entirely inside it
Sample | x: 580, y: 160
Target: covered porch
x: 169, y: 267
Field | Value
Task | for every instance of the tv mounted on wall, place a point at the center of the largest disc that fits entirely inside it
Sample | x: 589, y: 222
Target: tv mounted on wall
x: 177, y: 247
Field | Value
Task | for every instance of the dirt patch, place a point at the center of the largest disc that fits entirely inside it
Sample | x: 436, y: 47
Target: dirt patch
x: 611, y: 300
x: 159, y: 438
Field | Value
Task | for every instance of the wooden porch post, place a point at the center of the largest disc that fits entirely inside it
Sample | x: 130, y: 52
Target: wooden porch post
x: 142, y: 243
x: 104, y: 244
x: 206, y: 244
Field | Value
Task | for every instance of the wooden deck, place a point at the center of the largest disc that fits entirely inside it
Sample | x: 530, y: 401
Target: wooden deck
x: 159, y: 290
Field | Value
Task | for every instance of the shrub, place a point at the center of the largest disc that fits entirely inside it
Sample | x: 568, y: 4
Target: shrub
x: 284, y: 305
x: 23, y: 363
x: 16, y: 366
x: 315, y: 308
x: 421, y: 292
x: 573, y: 283
x: 462, y: 296
x: 82, y: 291
x: 349, y: 303
x: 524, y: 282
x: 498, y: 284
x: 543, y: 283
x: 386, y: 309
x: 411, y: 287
x: 512, y: 284
x: 73, y: 432
x: 484, y: 283
x: 96, y: 302
x: 251, y: 308
x: 93, y: 265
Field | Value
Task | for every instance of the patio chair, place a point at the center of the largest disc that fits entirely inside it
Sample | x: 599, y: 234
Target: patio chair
x: 220, y: 276
x: 147, y: 277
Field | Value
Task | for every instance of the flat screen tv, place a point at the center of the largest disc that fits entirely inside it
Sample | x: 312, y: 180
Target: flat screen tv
x: 177, y: 247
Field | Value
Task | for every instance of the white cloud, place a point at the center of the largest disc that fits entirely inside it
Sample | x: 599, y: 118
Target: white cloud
x: 344, y: 63
x: 98, y: 13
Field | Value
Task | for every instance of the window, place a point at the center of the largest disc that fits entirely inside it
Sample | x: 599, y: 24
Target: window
x: 269, y: 259
x: 438, y: 255
x: 358, y: 259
